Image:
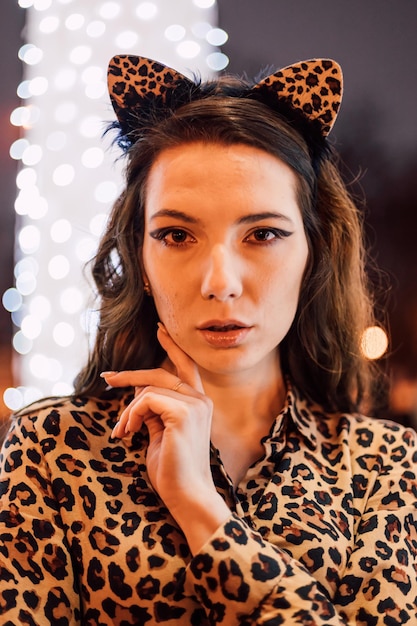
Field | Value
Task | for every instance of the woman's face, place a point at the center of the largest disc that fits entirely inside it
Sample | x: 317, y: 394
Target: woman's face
x: 224, y: 252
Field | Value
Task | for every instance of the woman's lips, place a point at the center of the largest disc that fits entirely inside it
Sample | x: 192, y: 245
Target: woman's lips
x: 224, y: 334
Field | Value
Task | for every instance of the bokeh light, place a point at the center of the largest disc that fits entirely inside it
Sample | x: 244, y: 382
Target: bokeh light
x: 374, y: 342
x: 147, y: 11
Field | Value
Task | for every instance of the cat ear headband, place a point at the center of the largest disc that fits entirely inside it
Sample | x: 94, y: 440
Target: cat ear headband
x: 308, y: 91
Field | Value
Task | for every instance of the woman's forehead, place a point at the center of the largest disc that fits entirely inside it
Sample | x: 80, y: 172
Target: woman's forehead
x: 215, y: 180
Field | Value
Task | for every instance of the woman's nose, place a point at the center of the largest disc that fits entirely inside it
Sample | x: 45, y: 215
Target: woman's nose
x: 221, y: 279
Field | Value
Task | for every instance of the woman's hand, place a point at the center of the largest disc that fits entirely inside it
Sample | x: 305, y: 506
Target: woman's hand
x: 178, y: 417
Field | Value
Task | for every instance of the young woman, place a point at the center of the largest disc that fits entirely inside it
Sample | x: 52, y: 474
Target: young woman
x: 212, y: 466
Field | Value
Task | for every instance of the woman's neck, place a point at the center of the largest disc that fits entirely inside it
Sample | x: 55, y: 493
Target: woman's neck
x: 245, y: 408
x: 248, y: 400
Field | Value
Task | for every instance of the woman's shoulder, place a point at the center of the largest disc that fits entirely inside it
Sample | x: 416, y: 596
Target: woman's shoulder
x: 69, y: 415
x: 109, y: 401
x: 386, y: 433
x: 389, y: 443
x: 380, y: 423
x: 357, y: 430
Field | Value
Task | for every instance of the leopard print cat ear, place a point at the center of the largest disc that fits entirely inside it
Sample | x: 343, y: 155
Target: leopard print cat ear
x: 138, y: 85
x: 132, y: 78
x: 142, y: 90
x: 313, y: 87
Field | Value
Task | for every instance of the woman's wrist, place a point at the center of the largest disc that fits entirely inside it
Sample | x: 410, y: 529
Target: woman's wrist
x: 199, y: 517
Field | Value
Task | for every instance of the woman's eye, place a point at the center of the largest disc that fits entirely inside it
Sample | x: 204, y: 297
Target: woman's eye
x: 267, y: 234
x: 264, y: 235
x: 177, y: 236
x: 172, y: 236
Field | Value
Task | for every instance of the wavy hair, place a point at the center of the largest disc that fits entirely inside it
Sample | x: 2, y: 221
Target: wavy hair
x: 321, y: 352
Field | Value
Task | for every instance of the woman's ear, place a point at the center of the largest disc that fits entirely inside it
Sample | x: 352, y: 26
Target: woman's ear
x: 145, y: 280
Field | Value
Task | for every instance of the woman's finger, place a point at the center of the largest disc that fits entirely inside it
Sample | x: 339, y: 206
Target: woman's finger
x: 121, y: 429
x: 141, y: 378
x: 186, y: 368
x: 137, y: 412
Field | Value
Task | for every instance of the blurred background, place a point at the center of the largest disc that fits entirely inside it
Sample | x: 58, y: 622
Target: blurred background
x: 376, y: 135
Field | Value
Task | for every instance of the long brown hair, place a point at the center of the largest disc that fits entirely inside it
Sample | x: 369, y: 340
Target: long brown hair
x: 321, y: 352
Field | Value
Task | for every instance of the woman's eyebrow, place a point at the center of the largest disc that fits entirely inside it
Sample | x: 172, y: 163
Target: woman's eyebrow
x: 175, y: 214
x: 250, y: 218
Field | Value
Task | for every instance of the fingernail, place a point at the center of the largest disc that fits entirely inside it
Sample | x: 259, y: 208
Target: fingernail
x: 105, y: 374
x: 162, y: 328
x: 113, y: 432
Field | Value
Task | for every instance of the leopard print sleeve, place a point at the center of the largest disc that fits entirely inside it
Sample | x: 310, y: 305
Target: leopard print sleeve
x: 34, y: 554
x: 243, y: 579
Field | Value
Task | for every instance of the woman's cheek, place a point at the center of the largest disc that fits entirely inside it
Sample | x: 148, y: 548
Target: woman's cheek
x: 168, y: 313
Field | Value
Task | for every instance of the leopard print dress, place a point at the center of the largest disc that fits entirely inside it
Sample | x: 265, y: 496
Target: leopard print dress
x: 322, y: 530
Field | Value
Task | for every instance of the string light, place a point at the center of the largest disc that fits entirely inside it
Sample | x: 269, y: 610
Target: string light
x: 175, y: 32
x: 69, y: 175
x: 147, y: 11
x: 75, y: 21
x: 217, y: 36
